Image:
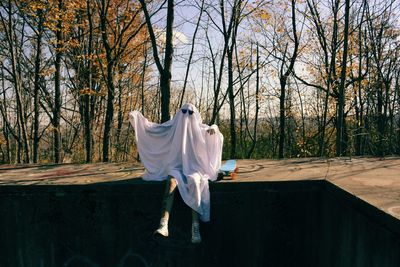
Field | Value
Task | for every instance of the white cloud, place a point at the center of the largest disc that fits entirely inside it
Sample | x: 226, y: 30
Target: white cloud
x: 179, y: 38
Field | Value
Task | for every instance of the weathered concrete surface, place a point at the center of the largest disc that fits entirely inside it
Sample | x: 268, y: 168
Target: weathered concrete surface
x: 306, y: 212
x: 376, y: 181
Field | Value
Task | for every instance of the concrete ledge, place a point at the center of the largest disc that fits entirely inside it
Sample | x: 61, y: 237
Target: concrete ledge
x: 278, y: 213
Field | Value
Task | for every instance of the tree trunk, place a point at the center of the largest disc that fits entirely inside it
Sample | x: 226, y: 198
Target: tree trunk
x: 282, y: 118
x: 143, y: 77
x: 231, y: 96
x: 165, y: 72
x: 283, y: 81
x: 37, y: 87
x: 3, y: 112
x: 109, y: 110
x: 119, y: 116
x: 87, y: 104
x: 380, y: 117
x: 340, y: 142
x: 165, y: 87
x: 165, y: 81
x: 397, y: 88
x: 18, y: 87
x: 359, y: 105
x: 227, y: 35
x: 57, y: 91
x: 253, y: 145
x: 110, y: 84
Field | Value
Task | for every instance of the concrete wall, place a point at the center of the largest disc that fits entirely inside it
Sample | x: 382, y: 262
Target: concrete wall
x: 306, y: 223
x: 355, y: 233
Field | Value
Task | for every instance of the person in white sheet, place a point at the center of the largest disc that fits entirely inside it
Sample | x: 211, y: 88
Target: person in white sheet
x: 186, y: 153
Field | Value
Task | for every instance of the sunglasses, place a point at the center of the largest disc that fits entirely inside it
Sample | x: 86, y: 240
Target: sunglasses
x: 186, y: 110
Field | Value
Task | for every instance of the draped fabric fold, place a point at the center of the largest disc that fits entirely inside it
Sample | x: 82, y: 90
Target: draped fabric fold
x: 183, y: 149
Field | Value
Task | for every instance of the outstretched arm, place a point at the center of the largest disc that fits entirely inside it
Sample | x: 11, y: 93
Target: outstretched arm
x: 210, y: 129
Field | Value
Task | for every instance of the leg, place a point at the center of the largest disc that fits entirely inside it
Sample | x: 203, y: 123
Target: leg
x: 196, y: 237
x: 195, y: 217
x: 168, y: 201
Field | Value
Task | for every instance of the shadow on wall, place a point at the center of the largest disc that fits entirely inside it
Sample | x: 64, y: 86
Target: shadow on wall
x: 305, y: 223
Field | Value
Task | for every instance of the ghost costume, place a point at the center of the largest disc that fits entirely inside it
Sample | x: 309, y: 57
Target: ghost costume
x: 181, y: 148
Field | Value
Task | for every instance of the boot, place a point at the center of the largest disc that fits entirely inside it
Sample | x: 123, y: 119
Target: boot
x: 163, y: 228
x: 196, y: 238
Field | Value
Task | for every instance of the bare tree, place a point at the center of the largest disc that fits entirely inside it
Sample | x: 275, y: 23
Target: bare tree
x: 228, y: 29
x: 191, y: 52
x: 15, y: 72
x: 341, y: 95
x: 114, y: 50
x: 36, y: 23
x: 254, y: 138
x: 87, y: 119
x: 284, y: 75
x: 165, y: 71
x: 57, y: 87
x: 383, y: 47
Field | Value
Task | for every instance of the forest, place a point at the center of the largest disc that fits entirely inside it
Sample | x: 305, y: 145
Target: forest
x: 281, y: 78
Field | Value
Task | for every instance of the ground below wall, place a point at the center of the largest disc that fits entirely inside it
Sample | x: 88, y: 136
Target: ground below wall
x: 297, y: 223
